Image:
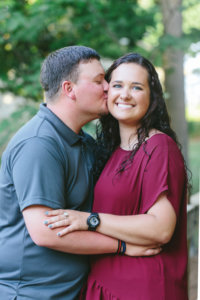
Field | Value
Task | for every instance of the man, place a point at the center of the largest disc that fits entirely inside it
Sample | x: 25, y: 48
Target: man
x: 47, y: 165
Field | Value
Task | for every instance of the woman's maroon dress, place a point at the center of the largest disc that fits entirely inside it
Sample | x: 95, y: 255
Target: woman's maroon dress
x: 157, y: 166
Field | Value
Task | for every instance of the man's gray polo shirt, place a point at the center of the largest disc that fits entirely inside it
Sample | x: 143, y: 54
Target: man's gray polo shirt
x: 45, y: 163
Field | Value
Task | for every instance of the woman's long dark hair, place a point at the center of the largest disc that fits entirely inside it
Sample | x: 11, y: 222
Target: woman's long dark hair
x: 107, y: 134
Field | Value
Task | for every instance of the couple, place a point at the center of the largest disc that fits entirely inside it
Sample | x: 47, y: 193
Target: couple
x: 139, y: 199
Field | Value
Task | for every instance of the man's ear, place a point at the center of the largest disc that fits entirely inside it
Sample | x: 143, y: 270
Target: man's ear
x: 68, y: 89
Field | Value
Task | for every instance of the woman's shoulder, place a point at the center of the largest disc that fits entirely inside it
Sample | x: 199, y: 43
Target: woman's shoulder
x: 162, y: 143
x: 157, y: 137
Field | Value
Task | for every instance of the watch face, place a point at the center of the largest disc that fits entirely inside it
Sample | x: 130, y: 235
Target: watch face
x: 94, y: 221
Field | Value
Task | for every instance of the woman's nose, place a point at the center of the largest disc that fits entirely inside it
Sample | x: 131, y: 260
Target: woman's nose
x: 125, y: 95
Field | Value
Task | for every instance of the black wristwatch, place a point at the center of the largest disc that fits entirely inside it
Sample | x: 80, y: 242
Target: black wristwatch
x: 93, y: 221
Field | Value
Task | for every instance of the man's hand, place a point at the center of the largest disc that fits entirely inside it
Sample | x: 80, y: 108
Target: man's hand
x: 136, y: 250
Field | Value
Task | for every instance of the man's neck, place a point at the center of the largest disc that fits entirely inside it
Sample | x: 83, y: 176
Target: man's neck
x: 66, y: 116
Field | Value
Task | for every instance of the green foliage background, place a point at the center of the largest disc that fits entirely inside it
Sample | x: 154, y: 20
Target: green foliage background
x: 30, y: 29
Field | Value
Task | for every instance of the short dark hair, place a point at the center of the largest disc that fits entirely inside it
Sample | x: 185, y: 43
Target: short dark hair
x: 61, y: 65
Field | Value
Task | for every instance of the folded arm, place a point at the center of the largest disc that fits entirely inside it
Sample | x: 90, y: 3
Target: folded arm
x: 155, y: 227
x: 78, y: 242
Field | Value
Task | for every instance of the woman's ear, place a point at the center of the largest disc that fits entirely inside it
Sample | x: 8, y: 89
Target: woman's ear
x: 68, y: 89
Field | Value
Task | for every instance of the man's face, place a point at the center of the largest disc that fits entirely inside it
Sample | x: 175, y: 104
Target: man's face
x: 91, y: 90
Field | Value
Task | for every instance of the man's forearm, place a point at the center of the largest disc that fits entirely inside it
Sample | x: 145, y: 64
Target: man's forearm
x: 78, y: 242
x: 83, y: 242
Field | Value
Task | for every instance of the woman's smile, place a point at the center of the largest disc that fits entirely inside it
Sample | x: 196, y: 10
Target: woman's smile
x: 125, y: 105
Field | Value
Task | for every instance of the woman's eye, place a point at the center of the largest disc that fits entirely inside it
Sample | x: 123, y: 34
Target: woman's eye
x: 117, y: 85
x: 137, y: 88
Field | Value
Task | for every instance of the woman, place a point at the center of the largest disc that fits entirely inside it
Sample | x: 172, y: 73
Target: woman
x: 141, y: 193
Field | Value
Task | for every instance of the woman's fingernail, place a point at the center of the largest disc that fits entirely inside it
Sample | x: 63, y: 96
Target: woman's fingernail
x: 46, y: 213
x: 45, y: 222
x: 50, y: 226
x: 58, y: 234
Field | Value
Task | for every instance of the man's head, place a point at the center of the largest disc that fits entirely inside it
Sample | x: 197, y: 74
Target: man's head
x: 61, y: 65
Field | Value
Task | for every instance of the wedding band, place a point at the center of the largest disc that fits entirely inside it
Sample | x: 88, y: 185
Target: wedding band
x: 66, y: 214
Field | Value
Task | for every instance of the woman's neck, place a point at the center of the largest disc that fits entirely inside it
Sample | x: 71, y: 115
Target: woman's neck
x: 128, y: 136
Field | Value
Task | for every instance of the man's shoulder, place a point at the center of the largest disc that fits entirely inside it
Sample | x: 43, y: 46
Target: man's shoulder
x: 26, y: 133
x: 27, y: 145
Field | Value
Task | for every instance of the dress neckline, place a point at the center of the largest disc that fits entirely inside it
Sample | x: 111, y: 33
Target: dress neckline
x: 148, y: 138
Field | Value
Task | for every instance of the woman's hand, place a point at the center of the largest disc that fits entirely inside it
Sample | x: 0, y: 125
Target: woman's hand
x: 136, y: 250
x: 72, y: 220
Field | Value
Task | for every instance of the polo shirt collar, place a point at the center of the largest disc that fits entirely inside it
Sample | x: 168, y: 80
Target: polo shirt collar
x: 67, y: 133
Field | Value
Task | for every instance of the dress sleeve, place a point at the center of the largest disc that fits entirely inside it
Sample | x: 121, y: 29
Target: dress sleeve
x: 38, y: 174
x: 164, y: 171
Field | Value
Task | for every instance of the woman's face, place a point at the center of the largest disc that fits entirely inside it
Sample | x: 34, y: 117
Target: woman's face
x: 129, y: 93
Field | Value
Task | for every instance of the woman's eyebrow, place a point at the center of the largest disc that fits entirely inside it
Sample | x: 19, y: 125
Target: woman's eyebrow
x: 138, y: 83
x: 134, y: 82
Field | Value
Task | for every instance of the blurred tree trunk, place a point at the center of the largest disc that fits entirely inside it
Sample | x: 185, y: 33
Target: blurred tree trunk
x: 173, y: 67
